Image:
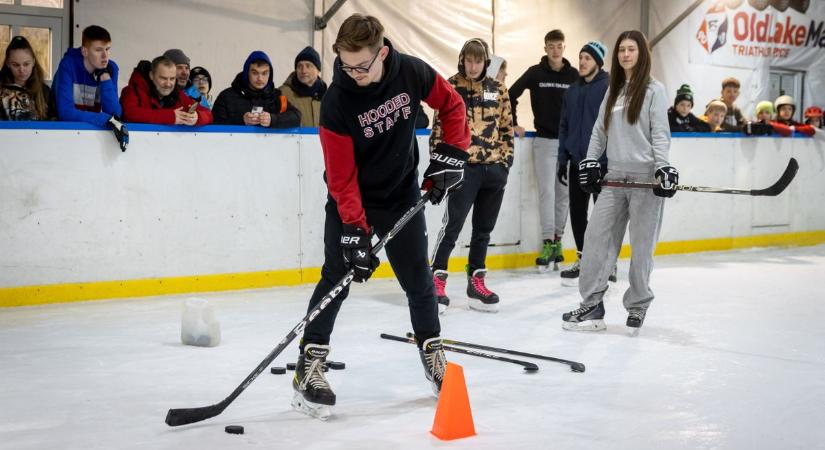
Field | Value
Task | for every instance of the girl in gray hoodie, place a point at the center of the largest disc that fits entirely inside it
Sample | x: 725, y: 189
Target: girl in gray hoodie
x: 632, y: 127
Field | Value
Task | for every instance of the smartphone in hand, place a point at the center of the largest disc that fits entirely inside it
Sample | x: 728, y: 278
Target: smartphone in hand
x: 257, y: 109
x: 193, y: 107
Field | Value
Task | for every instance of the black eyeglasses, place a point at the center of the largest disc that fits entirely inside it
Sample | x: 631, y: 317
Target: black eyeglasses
x: 356, y: 69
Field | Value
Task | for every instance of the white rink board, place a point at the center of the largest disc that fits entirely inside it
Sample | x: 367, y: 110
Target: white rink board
x: 73, y: 208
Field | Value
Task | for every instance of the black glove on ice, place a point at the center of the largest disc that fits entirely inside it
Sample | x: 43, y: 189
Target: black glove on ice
x: 356, y: 246
x: 668, y: 178
x: 590, y: 176
x: 120, y: 131
x: 445, y: 173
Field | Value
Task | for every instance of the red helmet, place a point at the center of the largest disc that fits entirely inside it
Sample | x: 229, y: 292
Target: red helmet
x: 813, y: 111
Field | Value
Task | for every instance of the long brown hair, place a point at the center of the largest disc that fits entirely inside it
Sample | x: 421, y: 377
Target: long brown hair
x: 636, y: 86
x: 34, y: 85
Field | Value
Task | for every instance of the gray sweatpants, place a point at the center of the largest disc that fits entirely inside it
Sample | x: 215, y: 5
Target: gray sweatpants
x: 603, y: 240
x: 554, y: 200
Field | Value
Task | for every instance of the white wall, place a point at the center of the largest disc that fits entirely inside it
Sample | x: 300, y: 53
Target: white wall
x: 73, y: 208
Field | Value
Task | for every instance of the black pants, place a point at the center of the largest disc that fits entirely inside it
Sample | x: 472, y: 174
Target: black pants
x: 483, y: 190
x: 407, y: 254
x: 578, y: 206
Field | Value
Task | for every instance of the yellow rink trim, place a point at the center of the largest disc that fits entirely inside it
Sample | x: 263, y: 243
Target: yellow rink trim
x: 73, y: 292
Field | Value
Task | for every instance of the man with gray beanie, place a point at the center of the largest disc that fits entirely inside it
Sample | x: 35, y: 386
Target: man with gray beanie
x: 304, y: 87
x: 181, y: 64
x: 580, y: 108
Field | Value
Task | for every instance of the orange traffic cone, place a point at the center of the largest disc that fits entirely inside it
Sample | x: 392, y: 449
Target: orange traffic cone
x: 453, y: 418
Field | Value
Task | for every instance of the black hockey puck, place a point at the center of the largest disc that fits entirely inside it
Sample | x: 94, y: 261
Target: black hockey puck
x: 336, y: 365
x: 290, y: 366
x: 277, y: 370
x: 234, y: 429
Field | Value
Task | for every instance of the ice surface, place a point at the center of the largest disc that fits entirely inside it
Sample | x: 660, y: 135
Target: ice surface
x: 731, y: 356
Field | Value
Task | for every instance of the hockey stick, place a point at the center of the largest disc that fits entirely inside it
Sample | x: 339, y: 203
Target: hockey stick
x: 574, y: 366
x: 185, y: 416
x: 772, y: 191
x: 528, y: 366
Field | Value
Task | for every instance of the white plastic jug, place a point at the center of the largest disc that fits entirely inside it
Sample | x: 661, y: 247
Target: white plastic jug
x: 198, y: 324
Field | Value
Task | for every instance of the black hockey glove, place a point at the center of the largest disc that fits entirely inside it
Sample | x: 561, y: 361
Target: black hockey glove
x: 445, y: 173
x: 668, y: 178
x: 120, y: 131
x: 562, y: 175
x: 355, y: 243
x: 590, y: 176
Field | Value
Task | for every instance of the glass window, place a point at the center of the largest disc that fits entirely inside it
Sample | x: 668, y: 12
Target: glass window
x: 41, y: 41
x: 6, y: 2
x: 43, y: 3
x: 5, y: 38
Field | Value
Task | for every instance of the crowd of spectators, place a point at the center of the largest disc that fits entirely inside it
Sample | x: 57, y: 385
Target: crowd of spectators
x: 166, y: 91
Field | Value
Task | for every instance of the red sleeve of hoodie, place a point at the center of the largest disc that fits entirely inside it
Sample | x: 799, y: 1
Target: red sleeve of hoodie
x: 137, y: 107
x: 781, y: 129
x: 451, y: 112
x: 342, y: 176
x: 807, y: 130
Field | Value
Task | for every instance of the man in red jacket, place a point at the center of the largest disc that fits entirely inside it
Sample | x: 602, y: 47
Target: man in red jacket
x: 367, y: 132
x: 152, y: 96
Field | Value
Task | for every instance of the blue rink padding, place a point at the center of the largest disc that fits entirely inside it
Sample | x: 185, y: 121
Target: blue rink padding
x: 143, y: 127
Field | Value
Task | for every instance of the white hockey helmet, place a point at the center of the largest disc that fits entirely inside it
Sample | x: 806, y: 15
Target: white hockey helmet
x: 784, y: 100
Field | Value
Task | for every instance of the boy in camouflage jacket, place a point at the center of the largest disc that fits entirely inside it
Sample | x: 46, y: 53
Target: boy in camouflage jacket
x: 485, y: 175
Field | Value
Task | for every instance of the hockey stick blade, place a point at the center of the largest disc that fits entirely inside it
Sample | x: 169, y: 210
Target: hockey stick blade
x: 184, y: 416
x: 528, y: 366
x: 574, y: 366
x: 783, y: 182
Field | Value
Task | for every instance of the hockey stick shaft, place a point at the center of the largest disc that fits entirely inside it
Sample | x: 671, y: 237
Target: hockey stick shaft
x: 183, y: 416
x: 575, y: 366
x: 528, y: 366
x: 771, y: 191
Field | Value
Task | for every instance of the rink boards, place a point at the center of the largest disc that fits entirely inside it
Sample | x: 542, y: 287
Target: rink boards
x: 225, y: 208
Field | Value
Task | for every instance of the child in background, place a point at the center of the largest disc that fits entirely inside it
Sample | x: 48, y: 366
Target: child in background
x: 813, y: 117
x: 761, y: 125
x: 784, y: 123
x: 715, y: 115
x: 679, y: 116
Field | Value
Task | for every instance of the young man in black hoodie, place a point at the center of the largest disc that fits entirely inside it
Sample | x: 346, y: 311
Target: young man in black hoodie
x: 547, y: 82
x: 579, y: 113
x: 253, y: 99
x: 370, y: 154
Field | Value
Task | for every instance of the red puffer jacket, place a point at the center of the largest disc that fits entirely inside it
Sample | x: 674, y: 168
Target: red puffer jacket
x: 142, y: 104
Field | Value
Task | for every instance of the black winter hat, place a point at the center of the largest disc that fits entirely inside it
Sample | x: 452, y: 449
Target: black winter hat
x: 684, y: 93
x: 309, y: 54
x: 197, y: 71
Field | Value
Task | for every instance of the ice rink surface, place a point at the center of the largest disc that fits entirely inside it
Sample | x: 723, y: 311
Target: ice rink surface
x: 731, y: 356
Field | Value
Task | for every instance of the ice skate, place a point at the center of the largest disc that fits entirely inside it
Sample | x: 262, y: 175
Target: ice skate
x: 570, y: 276
x: 440, y: 282
x: 612, y: 276
x: 434, y: 361
x: 544, y: 258
x: 480, y: 298
x: 313, y: 395
x: 635, y: 319
x: 586, y: 318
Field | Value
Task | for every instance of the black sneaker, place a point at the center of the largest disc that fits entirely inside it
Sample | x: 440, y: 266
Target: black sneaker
x: 586, y: 318
x: 434, y: 361
x: 612, y: 276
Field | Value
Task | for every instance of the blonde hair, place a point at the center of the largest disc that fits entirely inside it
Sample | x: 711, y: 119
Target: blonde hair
x: 716, y: 106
